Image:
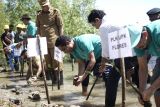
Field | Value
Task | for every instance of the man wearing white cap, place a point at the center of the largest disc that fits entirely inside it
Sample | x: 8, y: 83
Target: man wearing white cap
x: 19, y: 37
x: 50, y: 25
x: 148, y: 40
x: 6, y: 39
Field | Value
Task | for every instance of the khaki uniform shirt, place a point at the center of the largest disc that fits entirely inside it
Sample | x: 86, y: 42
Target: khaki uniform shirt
x: 50, y: 25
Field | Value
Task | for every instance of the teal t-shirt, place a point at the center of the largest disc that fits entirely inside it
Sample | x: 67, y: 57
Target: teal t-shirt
x: 84, y: 44
x: 154, y: 46
x: 31, y: 29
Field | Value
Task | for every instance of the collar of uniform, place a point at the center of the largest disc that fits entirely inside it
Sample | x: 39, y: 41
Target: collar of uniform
x: 49, y: 11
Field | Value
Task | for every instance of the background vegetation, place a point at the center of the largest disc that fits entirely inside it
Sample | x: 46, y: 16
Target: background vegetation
x: 74, y: 13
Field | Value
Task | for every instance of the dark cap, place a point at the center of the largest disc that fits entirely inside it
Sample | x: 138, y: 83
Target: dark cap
x: 44, y: 2
x: 25, y: 16
x: 153, y: 11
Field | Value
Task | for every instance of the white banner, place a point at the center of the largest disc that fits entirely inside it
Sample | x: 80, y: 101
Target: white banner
x: 119, y: 44
x: 33, y: 49
x: 58, y: 54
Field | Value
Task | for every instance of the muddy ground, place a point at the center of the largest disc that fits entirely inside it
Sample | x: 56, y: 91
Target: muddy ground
x: 68, y: 95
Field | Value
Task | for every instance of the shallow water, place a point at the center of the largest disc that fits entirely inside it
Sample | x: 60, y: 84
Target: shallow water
x: 68, y: 95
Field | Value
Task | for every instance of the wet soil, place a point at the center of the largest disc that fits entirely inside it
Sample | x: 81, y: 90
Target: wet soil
x: 68, y: 95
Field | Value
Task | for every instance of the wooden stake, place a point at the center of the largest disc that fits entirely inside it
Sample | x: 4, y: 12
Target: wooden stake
x: 58, y: 74
x: 43, y: 71
x: 123, y: 81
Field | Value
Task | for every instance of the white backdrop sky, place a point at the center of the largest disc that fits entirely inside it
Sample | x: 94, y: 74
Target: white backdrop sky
x: 127, y: 11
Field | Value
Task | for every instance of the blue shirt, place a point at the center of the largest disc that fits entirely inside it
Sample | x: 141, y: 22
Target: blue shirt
x: 84, y: 44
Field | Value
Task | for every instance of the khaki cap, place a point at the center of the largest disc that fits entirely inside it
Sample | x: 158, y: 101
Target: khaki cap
x: 44, y: 2
x: 19, y: 26
x: 24, y: 26
x: 6, y: 26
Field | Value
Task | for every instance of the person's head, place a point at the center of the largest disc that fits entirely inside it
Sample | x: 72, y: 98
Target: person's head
x: 139, y: 37
x: 95, y: 18
x: 11, y: 27
x: 6, y: 28
x: 154, y: 14
x: 24, y: 27
x: 19, y: 28
x: 45, y: 5
x: 25, y: 19
x: 65, y: 44
x: 24, y: 54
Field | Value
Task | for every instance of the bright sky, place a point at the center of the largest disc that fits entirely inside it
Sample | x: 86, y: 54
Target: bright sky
x: 127, y: 11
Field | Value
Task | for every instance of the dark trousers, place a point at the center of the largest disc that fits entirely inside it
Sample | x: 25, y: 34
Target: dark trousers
x: 16, y: 62
x: 111, y: 77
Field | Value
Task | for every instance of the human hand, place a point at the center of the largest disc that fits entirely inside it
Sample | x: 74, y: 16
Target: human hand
x: 144, y: 99
x: 19, y: 45
x: 140, y: 100
x: 147, y: 94
x: 77, y: 80
x: 102, y: 68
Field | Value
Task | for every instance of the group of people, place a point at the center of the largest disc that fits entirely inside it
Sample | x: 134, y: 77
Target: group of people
x: 48, y: 24
x: 91, y: 50
x: 92, y: 53
x: 9, y: 38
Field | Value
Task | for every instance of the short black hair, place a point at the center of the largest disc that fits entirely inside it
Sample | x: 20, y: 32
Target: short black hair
x: 11, y: 25
x: 62, y: 41
x: 95, y: 14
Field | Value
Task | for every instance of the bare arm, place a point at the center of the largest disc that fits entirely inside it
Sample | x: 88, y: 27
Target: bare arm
x: 155, y: 85
x: 149, y: 92
x: 90, y: 65
x: 81, y: 67
x: 143, y: 72
x: 83, y: 73
x: 4, y: 43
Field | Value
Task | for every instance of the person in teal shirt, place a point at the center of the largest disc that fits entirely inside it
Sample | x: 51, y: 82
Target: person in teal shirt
x: 85, y: 44
x: 86, y: 50
x: 146, y: 41
x: 31, y: 26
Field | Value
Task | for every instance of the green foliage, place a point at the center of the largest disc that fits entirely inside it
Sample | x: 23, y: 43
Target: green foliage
x: 3, y: 19
x: 16, y: 8
x: 75, y: 15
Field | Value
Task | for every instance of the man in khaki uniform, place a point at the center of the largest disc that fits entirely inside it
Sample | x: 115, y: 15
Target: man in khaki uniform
x: 50, y: 25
